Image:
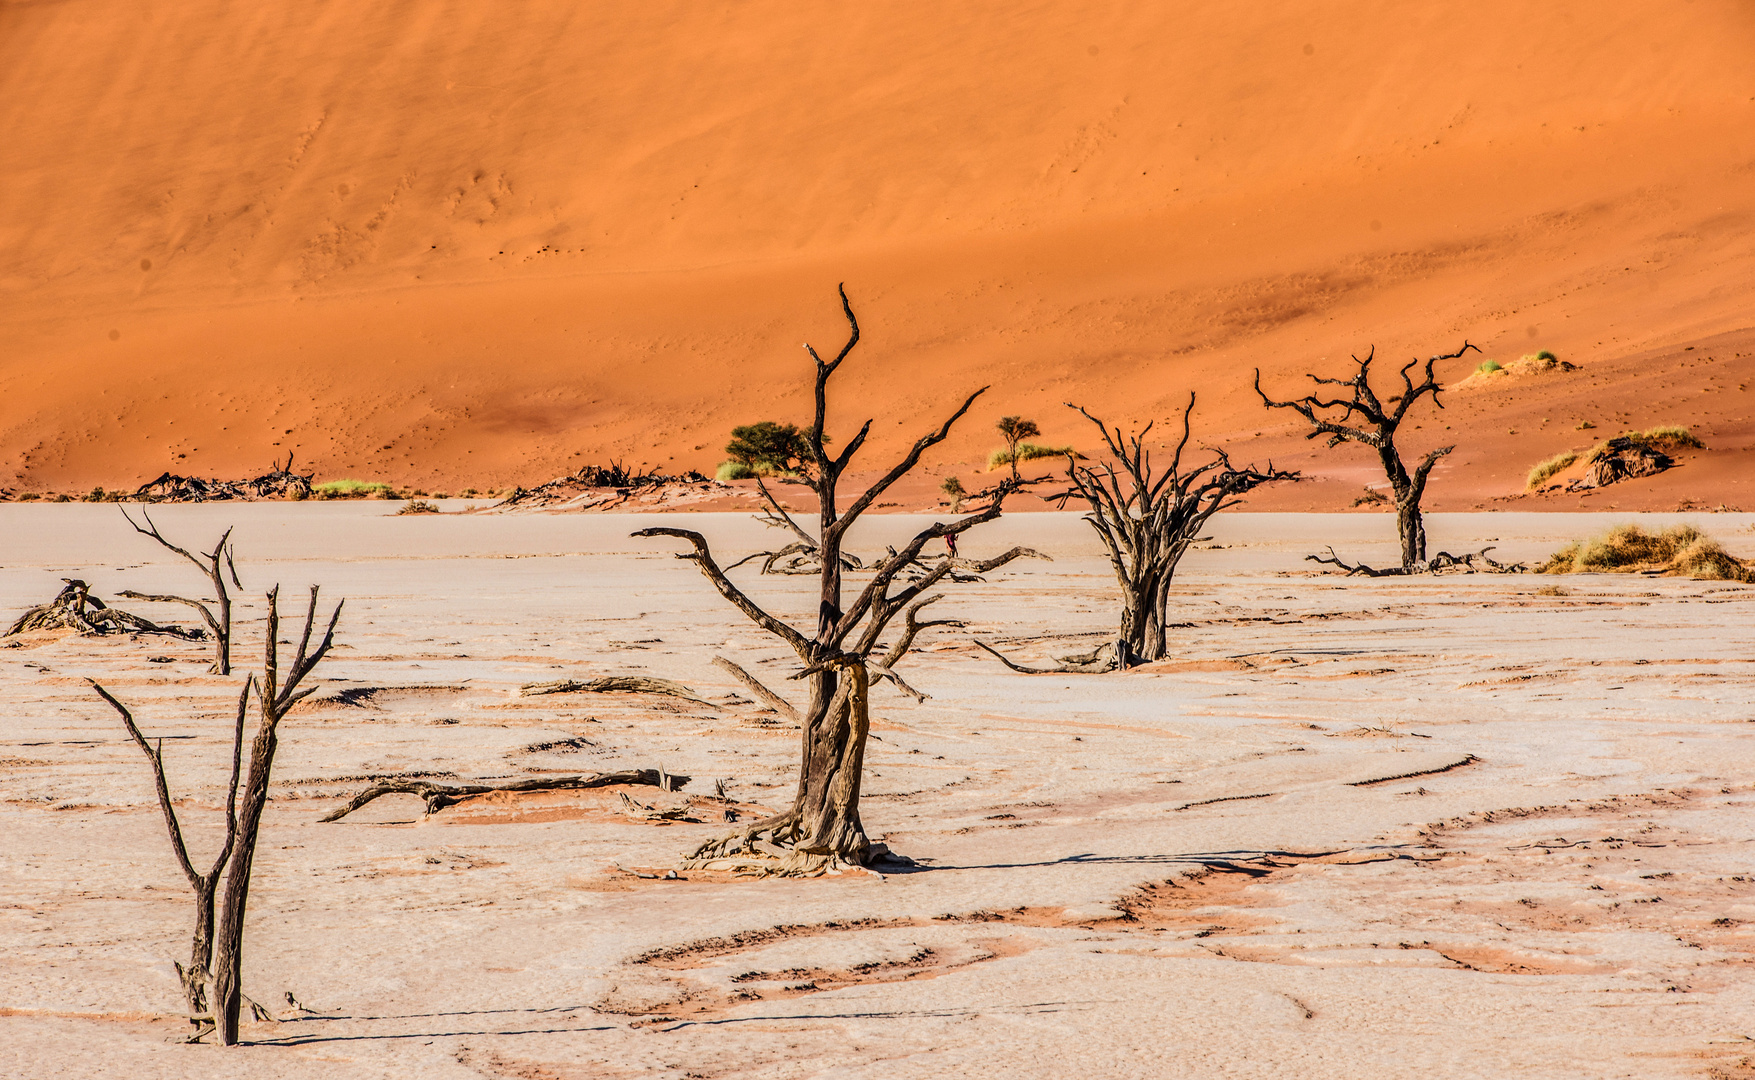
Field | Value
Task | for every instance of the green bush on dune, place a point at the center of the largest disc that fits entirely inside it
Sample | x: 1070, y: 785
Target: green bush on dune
x: 351, y: 489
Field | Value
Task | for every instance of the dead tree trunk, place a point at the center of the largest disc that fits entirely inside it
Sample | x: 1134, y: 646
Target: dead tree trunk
x: 273, y: 700
x: 210, y: 564
x: 1147, y: 521
x: 1376, y: 423
x: 196, y: 975
x: 822, y: 829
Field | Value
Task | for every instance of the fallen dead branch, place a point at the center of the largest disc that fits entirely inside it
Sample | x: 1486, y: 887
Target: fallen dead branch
x: 1096, y: 662
x: 439, y: 796
x: 74, y: 608
x: 279, y: 482
x: 613, y: 684
x: 774, y: 701
x: 1467, y: 759
x: 1478, y: 562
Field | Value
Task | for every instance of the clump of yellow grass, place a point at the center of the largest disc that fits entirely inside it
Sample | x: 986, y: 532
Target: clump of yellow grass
x: 1678, y: 551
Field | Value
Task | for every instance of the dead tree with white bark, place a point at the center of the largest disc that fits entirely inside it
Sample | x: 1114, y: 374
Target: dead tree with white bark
x: 211, y: 982
x: 845, y: 652
x: 1364, y: 417
x: 216, y: 564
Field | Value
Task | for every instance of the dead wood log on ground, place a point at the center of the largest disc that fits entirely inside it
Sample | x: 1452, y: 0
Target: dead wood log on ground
x: 278, y: 482
x: 774, y: 701
x: 613, y: 684
x: 439, y: 796
x: 1439, y: 563
x: 74, y: 608
x: 1096, y: 662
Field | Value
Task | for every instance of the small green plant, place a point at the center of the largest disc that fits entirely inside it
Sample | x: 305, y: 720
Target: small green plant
x: 1668, y: 437
x: 349, y: 489
x: 417, y: 506
x: 1585, y: 425
x: 1543, y: 471
x: 734, y: 470
x: 954, y: 488
x: 62, y: 497
x: 469, y: 493
x: 299, y: 493
x: 28, y: 496
x: 1488, y: 367
x: 97, y: 495
x: 1026, y: 452
x: 768, y: 448
x: 1544, y: 355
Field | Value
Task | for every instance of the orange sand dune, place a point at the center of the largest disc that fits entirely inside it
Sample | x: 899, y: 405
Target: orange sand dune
x: 447, y: 244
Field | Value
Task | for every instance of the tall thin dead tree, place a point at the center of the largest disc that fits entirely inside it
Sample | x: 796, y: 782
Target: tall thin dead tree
x: 211, y: 563
x: 274, y: 697
x: 216, y: 952
x: 1148, y: 519
x: 1365, y: 418
x: 822, y: 829
x: 196, y: 975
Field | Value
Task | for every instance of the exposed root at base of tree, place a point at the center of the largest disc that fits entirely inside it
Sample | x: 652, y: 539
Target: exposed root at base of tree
x: 768, y: 848
x: 74, y: 608
x: 1476, y: 562
x: 439, y: 796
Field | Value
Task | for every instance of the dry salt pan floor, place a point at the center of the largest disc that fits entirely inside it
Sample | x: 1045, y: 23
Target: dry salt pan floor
x: 1465, y: 826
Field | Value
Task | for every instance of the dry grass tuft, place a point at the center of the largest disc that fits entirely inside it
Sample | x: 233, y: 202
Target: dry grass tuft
x: 1546, y: 469
x: 1678, y: 551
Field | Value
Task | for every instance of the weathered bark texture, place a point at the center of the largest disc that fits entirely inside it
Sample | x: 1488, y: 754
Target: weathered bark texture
x: 273, y: 699
x: 1147, y: 520
x: 197, y: 974
x: 822, y: 830
x: 215, y: 564
x: 1376, y: 425
x: 439, y: 796
x: 74, y: 608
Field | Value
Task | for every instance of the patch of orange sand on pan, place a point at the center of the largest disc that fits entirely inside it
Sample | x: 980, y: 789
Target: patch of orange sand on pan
x: 439, y: 245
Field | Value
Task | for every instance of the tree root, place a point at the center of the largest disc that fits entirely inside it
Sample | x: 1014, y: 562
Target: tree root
x: 1442, y: 562
x: 439, y: 796
x: 73, y: 608
x: 614, y: 684
x: 766, y: 848
x: 1096, y: 662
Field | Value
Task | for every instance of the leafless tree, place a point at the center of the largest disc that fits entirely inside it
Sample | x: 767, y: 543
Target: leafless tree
x: 1365, y: 418
x: 822, y: 830
x: 216, y: 954
x: 216, y: 564
x: 196, y: 975
x: 1147, y: 520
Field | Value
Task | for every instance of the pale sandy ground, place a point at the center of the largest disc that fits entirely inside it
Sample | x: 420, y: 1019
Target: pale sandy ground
x: 1186, y: 872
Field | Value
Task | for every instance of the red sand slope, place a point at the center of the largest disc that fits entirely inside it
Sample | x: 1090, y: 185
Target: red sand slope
x: 448, y: 243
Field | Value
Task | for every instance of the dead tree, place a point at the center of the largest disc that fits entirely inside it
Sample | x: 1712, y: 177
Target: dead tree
x: 216, y: 952
x: 273, y: 698
x: 822, y: 830
x: 196, y: 975
x: 1366, y: 418
x: 209, y: 563
x: 1148, y: 519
